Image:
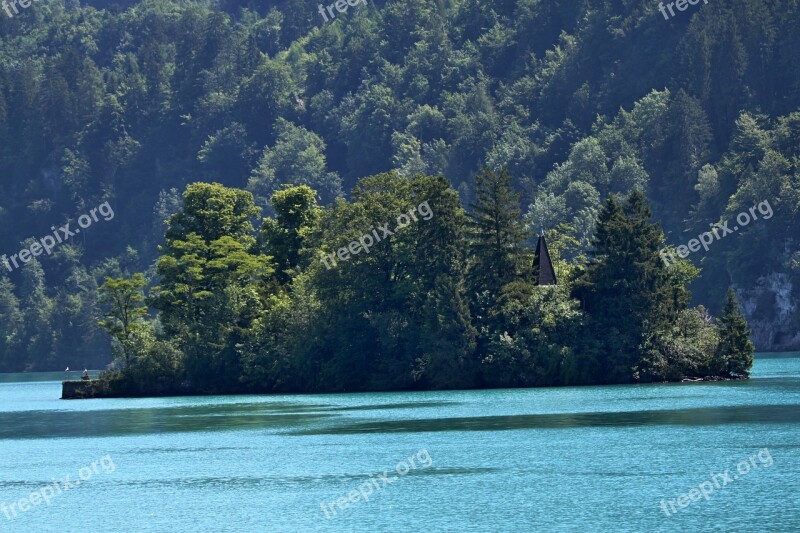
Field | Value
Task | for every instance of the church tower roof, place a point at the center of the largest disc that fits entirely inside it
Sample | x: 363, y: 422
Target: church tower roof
x: 543, y: 271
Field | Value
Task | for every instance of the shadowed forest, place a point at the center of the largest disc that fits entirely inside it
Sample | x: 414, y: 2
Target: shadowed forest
x: 308, y: 133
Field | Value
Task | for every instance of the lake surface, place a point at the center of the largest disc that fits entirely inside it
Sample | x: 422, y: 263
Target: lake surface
x: 558, y: 459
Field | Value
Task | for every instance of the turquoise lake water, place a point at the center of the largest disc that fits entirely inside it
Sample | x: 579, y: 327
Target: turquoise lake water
x: 558, y: 459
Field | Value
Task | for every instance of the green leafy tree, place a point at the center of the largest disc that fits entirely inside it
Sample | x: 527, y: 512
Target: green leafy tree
x: 212, y: 211
x: 124, y: 313
x: 535, y: 346
x: 296, y: 158
x: 11, y: 323
x: 283, y: 237
x: 213, y: 283
x: 286, y: 349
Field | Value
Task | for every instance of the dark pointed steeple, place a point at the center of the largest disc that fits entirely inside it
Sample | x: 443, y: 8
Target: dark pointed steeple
x: 543, y: 273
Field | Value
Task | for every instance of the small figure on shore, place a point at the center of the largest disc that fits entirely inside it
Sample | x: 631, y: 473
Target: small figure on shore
x: 85, y: 374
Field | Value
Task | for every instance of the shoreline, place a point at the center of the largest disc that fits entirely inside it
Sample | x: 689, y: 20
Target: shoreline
x: 71, y: 391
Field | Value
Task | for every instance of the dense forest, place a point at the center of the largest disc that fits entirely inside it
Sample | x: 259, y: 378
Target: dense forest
x: 441, y: 300
x: 156, y: 107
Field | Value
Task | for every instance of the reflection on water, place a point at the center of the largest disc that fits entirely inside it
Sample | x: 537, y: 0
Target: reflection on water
x: 776, y: 414
x: 44, y: 424
x: 206, y: 417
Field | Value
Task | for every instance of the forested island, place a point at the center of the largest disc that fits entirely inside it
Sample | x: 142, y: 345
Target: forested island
x: 218, y: 156
x: 447, y: 300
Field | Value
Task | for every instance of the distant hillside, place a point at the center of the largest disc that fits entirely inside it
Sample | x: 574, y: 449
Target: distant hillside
x: 577, y: 99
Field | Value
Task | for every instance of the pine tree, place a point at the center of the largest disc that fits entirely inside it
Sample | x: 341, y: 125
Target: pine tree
x: 735, y: 351
x: 497, y: 232
x: 626, y: 291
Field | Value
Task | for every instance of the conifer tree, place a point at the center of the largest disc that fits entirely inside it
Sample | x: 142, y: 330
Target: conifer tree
x: 735, y: 351
x: 626, y: 290
x: 497, y: 233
